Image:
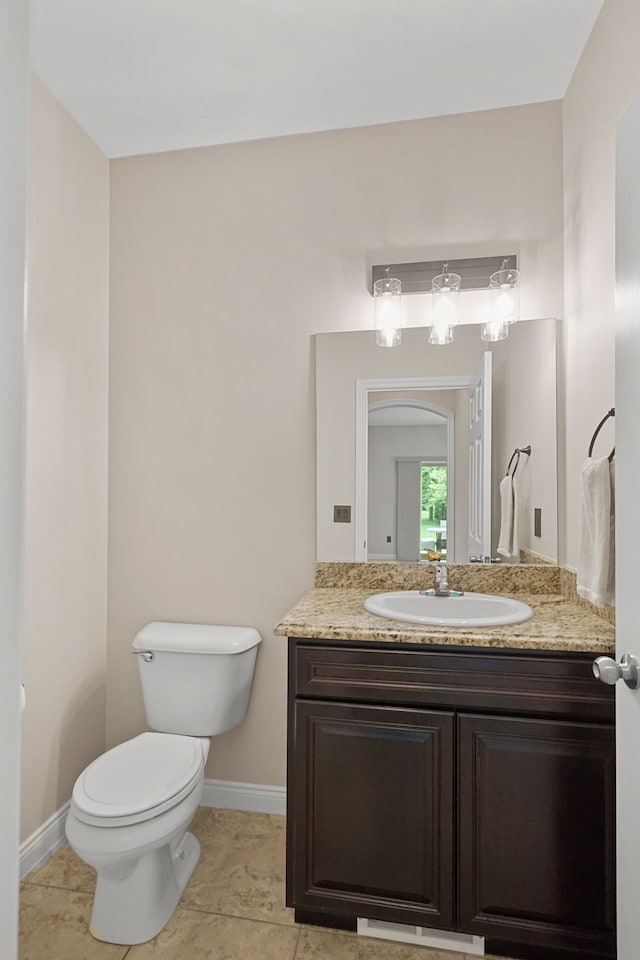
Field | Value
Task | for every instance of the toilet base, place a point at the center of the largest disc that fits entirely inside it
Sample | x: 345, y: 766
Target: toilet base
x: 135, y: 908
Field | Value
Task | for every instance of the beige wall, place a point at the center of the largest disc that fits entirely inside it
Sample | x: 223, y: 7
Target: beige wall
x: 64, y: 720
x: 224, y: 261
x: 605, y: 81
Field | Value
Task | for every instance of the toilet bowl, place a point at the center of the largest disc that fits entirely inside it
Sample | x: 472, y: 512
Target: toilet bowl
x: 128, y: 819
x: 131, y: 808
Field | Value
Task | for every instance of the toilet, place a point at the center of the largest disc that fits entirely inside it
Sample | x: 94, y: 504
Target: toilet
x: 131, y: 808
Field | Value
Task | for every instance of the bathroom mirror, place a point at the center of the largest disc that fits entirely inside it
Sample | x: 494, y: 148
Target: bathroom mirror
x: 417, y: 413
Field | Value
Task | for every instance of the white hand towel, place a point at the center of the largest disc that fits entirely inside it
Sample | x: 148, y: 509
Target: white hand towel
x: 596, y: 569
x: 506, y: 516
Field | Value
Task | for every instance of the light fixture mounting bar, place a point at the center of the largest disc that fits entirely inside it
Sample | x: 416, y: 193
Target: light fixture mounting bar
x: 417, y: 277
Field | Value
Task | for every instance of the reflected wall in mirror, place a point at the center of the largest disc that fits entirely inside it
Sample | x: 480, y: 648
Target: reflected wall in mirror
x: 523, y: 412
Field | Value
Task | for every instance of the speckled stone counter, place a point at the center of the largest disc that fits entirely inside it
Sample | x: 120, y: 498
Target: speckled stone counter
x: 334, y: 609
x: 479, y: 577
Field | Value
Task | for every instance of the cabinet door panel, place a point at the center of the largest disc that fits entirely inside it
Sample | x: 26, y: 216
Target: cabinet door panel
x: 536, y: 831
x: 374, y: 818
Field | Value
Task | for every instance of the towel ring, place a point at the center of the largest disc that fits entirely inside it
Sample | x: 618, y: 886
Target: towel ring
x: 516, y: 453
x: 609, y: 413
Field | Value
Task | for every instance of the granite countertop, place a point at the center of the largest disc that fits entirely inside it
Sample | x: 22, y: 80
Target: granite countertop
x: 558, y: 622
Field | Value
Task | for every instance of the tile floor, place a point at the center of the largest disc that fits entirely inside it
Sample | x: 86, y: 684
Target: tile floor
x: 233, y: 907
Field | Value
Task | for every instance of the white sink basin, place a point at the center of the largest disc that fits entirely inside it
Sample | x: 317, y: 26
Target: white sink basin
x: 469, y: 610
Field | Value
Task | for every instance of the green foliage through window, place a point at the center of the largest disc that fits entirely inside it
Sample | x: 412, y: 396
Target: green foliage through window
x: 433, y: 499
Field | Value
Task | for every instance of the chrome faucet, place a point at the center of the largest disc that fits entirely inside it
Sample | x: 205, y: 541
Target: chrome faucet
x: 442, y: 588
x: 442, y: 582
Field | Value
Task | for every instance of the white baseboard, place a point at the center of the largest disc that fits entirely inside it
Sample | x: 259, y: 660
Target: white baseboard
x: 254, y: 797
x: 37, y: 848
x: 226, y: 794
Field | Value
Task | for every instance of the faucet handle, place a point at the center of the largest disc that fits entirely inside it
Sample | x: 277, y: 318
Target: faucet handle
x: 439, y: 568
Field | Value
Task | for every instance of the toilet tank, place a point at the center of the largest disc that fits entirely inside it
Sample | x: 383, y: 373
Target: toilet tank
x: 196, y: 677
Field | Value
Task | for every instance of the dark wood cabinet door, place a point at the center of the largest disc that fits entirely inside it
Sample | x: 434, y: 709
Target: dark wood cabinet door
x: 536, y: 832
x: 372, y: 812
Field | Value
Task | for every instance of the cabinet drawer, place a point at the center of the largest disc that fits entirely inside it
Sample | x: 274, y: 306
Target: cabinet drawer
x: 511, y: 681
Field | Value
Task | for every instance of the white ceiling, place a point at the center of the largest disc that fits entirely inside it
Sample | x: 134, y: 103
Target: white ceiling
x: 144, y: 76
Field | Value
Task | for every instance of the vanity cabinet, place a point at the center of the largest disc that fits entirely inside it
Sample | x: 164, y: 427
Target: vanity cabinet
x: 459, y: 788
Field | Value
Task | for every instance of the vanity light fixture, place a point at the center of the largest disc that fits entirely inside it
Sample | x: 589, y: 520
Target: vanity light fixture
x: 494, y: 330
x: 445, y: 292
x: 498, y: 276
x: 387, y: 305
x: 504, y: 286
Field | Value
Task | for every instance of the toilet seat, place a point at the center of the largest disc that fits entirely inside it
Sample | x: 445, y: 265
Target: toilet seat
x: 138, y: 780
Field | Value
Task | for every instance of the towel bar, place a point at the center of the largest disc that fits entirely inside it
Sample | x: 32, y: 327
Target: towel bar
x: 609, y: 413
x: 516, y: 453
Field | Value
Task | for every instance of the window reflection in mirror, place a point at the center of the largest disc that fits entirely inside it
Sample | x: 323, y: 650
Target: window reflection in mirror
x: 433, y: 511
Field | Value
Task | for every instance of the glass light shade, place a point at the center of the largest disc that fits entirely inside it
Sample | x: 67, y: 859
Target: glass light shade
x: 505, y: 294
x: 495, y: 330
x: 445, y: 290
x: 441, y: 334
x: 387, y: 308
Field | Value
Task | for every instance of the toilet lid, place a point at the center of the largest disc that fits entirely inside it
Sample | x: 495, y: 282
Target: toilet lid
x: 138, y: 779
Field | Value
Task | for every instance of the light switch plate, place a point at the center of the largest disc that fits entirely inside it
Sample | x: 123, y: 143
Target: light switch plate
x: 341, y: 513
x: 537, y: 521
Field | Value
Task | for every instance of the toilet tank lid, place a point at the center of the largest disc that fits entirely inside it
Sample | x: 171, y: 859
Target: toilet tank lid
x: 195, y: 638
